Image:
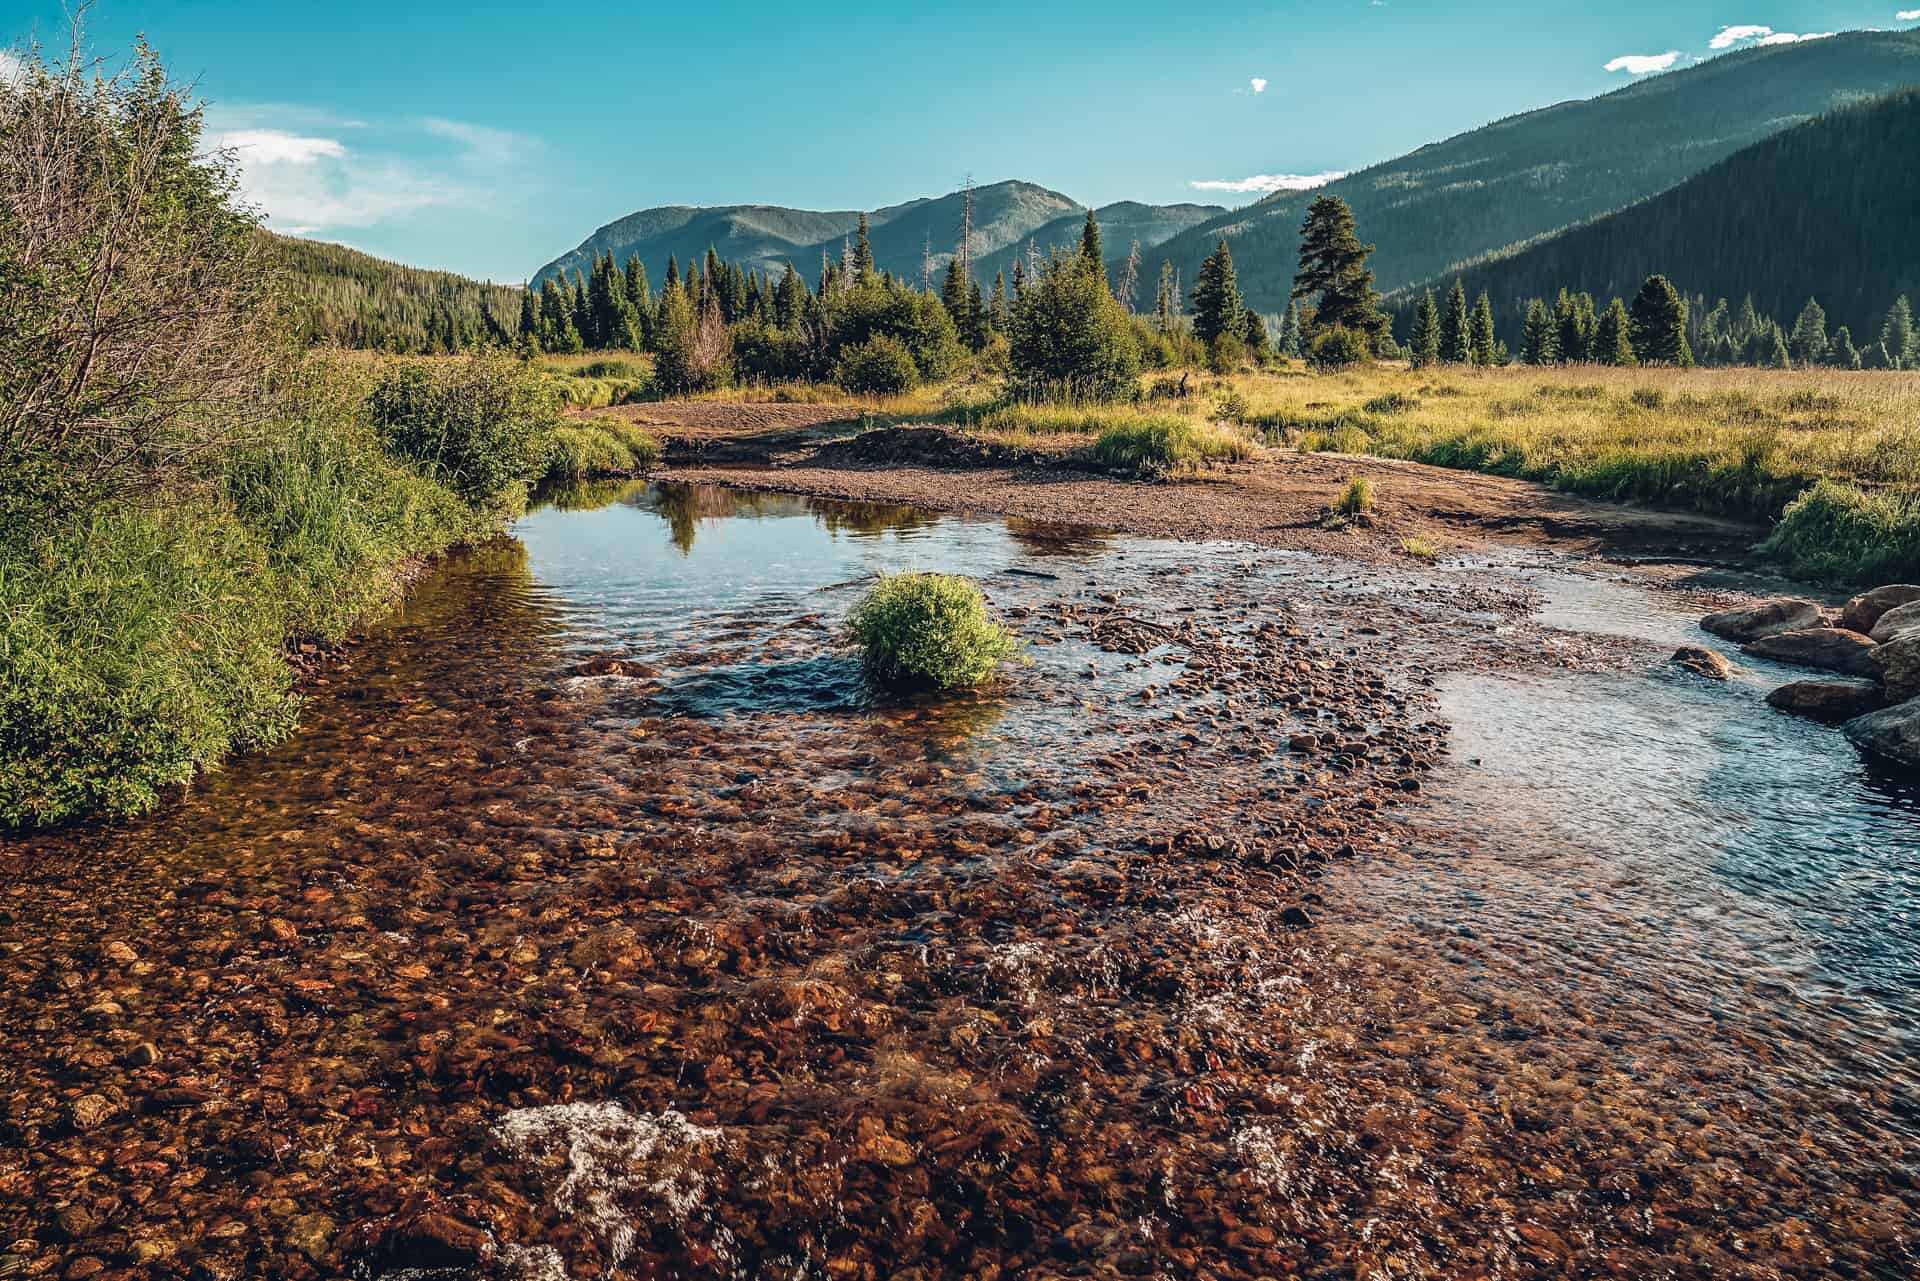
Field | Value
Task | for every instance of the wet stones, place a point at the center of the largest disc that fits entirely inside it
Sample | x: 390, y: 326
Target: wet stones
x: 1864, y: 612
x: 1763, y: 618
x: 1702, y: 662
x: 1833, y: 649
x: 1896, y: 622
x: 1897, y: 664
x: 1828, y: 701
x: 1893, y: 732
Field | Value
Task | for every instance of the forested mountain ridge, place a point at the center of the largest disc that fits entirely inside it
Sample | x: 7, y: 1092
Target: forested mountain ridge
x: 1529, y: 175
x: 340, y: 295
x: 1006, y: 217
x: 1829, y: 209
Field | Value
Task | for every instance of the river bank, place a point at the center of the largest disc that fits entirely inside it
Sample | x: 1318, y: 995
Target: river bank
x: 515, y: 966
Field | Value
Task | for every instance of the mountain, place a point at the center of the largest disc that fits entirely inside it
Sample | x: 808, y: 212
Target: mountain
x: 1529, y: 175
x: 340, y: 295
x: 1006, y: 215
x: 1828, y: 210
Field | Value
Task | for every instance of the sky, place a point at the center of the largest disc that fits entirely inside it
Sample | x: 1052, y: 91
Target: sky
x: 490, y: 136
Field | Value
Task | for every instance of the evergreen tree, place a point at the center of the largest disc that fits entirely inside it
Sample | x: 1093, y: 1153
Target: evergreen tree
x: 1778, y: 357
x: 1334, y: 273
x: 862, y: 254
x: 1897, y: 335
x: 1574, y: 326
x: 1423, y: 344
x: 790, y: 299
x: 1216, y: 298
x: 1613, y: 337
x: 529, y: 320
x: 953, y: 292
x: 1255, y: 334
x: 1091, y: 255
x: 1163, y: 307
x: 1808, y: 343
x: 1539, y: 341
x: 1019, y: 278
x: 1481, y: 338
x: 1841, y: 353
x: 1455, y: 341
x: 978, y: 328
x: 639, y: 293
x: 672, y: 282
x: 997, y: 307
x: 1292, y: 341
x: 1658, y: 319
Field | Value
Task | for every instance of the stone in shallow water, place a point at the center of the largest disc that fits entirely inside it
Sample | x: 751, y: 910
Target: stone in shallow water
x: 1828, y: 701
x: 1893, y: 732
x: 1832, y: 649
x: 1763, y: 618
x: 1865, y: 610
x: 1702, y: 662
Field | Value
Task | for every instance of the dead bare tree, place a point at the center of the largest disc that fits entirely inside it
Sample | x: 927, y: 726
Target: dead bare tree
x: 1130, y: 278
x: 137, y: 333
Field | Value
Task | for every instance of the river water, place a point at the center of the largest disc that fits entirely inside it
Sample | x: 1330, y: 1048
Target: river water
x: 523, y: 962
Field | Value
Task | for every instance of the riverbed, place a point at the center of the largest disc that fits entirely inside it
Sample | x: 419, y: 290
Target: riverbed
x: 1282, y: 915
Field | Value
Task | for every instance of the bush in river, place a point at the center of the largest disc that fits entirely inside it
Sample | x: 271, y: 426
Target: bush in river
x: 479, y: 426
x: 928, y: 631
x: 603, y: 446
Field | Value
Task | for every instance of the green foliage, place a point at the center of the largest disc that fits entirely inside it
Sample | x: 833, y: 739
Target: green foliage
x: 1333, y: 272
x: 1339, y: 349
x: 479, y: 426
x: 1226, y: 353
x: 1456, y: 338
x: 590, y: 448
x: 1071, y: 340
x: 1849, y: 534
x: 880, y: 366
x: 1356, y: 498
x: 343, y: 297
x: 928, y: 631
x: 1480, y: 337
x: 1658, y: 324
x: 1216, y: 298
x: 918, y: 321
x: 1161, y: 444
x: 1424, y: 344
x: 1613, y: 337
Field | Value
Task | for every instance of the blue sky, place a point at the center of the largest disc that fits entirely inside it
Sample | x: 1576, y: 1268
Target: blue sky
x: 489, y: 137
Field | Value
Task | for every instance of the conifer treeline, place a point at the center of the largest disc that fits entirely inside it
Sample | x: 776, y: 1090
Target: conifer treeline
x: 342, y: 296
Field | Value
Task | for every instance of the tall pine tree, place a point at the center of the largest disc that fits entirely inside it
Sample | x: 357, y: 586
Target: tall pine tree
x: 1334, y: 274
x: 1424, y: 342
x: 1481, y: 338
x: 1456, y: 344
x: 1658, y: 319
x: 1092, y: 257
x: 1216, y: 298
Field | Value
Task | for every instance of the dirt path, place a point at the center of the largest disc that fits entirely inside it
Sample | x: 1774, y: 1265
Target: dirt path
x: 1281, y: 500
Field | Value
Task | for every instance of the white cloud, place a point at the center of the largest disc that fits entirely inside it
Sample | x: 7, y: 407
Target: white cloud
x: 257, y: 147
x: 484, y: 143
x: 1731, y: 36
x: 1267, y: 183
x: 1259, y: 84
x: 11, y: 67
x: 1787, y: 37
x: 1640, y: 64
x: 1907, y: 15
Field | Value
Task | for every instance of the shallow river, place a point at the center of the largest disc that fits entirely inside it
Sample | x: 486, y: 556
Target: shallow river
x: 523, y: 962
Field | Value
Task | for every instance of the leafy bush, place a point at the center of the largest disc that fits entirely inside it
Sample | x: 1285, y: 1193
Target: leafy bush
x: 917, y: 321
x: 1339, y: 348
x: 1850, y: 534
x: 928, y: 631
x: 1391, y: 403
x: 1356, y: 498
x: 1166, y: 443
x: 1071, y: 340
x: 880, y: 366
x: 1226, y: 353
x: 479, y: 426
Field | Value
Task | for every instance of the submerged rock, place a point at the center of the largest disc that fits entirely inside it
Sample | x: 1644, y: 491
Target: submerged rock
x: 1897, y: 663
x: 1702, y: 662
x: 1832, y: 649
x: 1828, y: 701
x: 1863, y: 611
x: 1893, y: 732
x: 1896, y: 622
x: 1763, y: 618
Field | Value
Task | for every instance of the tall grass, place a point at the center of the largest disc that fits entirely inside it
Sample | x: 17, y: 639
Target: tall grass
x: 585, y: 448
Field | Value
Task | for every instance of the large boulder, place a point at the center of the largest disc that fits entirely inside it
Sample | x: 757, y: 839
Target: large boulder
x: 1893, y: 732
x: 1831, y: 649
x: 1828, y: 701
x: 1901, y: 618
x: 1763, y: 618
x: 1897, y: 663
x: 1866, y: 609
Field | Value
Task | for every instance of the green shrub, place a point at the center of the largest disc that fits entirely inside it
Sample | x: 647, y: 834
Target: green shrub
x: 1392, y: 403
x: 1339, y: 348
x: 1226, y: 353
x: 1071, y: 340
x: 917, y: 320
x: 1648, y: 397
x: 880, y: 366
x: 597, y: 447
x: 928, y: 631
x: 479, y: 426
x: 613, y: 367
x: 1356, y: 498
x: 1166, y: 443
x: 1841, y: 532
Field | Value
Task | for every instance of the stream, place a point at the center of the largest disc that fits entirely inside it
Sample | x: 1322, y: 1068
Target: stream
x: 1283, y: 915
